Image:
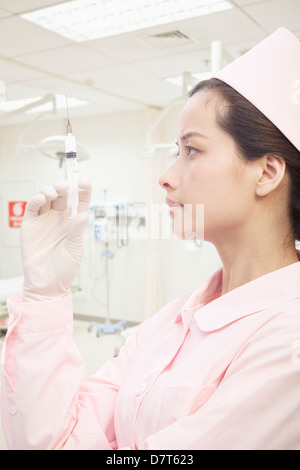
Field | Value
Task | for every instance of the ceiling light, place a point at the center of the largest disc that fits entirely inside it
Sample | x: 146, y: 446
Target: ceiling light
x: 84, y: 20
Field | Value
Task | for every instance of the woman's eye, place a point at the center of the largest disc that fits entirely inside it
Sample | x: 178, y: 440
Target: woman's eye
x: 188, y: 151
x: 191, y: 151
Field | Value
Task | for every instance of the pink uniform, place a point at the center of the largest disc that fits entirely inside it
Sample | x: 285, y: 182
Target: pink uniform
x: 197, y: 375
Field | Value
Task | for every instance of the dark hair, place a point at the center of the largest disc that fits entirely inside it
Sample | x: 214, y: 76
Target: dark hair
x: 255, y: 135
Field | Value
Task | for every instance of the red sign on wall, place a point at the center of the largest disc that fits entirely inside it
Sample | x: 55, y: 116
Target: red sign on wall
x: 16, y: 211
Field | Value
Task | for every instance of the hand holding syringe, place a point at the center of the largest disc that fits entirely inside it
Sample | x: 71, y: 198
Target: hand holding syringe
x: 72, y: 172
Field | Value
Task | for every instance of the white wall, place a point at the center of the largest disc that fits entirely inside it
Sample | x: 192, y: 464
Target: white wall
x: 144, y: 275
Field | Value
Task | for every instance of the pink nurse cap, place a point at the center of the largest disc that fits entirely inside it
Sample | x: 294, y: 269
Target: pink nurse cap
x: 269, y: 77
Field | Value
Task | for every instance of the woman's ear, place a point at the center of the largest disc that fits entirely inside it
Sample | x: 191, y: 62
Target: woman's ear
x: 272, y: 171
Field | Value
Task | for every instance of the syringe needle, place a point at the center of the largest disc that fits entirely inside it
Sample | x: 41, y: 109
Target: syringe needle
x: 67, y: 107
x: 69, y: 128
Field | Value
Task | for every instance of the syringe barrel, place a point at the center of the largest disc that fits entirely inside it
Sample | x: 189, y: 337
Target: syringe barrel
x: 70, y: 144
x: 72, y: 173
x: 71, y: 165
x: 72, y: 179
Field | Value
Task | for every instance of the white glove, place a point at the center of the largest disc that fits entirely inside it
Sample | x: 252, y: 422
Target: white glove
x: 51, y: 242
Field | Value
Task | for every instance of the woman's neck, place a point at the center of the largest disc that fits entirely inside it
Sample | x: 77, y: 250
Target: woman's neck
x: 249, y: 260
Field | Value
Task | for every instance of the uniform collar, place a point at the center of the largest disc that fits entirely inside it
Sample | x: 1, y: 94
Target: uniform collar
x: 260, y: 294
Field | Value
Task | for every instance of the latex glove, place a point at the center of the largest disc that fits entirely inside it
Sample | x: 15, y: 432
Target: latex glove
x: 51, y: 242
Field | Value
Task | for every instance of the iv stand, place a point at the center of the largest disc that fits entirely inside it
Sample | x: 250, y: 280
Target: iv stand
x: 107, y: 327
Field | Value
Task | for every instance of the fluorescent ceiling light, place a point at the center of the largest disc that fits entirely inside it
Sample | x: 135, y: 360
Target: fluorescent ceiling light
x: 13, y: 105
x: 84, y: 20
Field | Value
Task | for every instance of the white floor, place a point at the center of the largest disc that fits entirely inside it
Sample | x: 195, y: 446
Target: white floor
x: 94, y: 350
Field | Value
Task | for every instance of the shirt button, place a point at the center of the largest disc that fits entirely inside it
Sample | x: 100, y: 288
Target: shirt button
x: 141, y: 389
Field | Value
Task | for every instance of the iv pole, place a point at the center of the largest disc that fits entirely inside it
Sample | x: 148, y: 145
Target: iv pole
x: 107, y: 327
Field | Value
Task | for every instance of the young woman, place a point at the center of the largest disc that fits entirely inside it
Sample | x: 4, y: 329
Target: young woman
x: 215, y: 369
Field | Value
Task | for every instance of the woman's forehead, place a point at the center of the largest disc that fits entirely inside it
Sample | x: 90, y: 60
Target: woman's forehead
x: 200, y: 111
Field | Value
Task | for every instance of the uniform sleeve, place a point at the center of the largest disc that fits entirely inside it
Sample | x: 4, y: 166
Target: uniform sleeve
x: 45, y: 402
x: 256, y: 405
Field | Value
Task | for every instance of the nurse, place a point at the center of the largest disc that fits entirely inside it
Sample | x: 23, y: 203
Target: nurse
x: 215, y: 369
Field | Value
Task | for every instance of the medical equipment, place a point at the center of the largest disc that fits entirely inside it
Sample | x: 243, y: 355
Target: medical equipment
x: 107, y: 327
x: 71, y: 166
x: 109, y: 226
x: 54, y: 147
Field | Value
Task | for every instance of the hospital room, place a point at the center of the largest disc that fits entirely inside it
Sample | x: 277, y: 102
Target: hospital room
x: 95, y: 89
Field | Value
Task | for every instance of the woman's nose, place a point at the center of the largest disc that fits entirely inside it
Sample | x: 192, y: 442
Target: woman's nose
x: 164, y: 182
x: 169, y: 180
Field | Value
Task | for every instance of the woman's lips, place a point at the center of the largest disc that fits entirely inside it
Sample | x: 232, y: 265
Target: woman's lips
x: 170, y: 202
x: 173, y: 205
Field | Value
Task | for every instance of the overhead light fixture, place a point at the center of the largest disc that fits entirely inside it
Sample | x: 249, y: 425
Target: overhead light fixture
x: 54, y: 147
x: 84, y: 20
x: 13, y: 105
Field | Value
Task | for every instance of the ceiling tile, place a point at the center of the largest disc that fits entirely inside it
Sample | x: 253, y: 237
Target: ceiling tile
x: 4, y: 13
x: 19, y: 37
x: 246, y: 2
x: 131, y: 47
x: 57, y: 85
x: 110, y: 76
x: 154, y: 92
x: 68, y: 59
x: 17, y: 6
x: 12, y: 71
x: 174, y: 65
x: 230, y: 26
x: 18, y: 91
x: 273, y: 14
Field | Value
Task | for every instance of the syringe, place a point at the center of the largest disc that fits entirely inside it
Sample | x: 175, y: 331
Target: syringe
x: 72, y: 173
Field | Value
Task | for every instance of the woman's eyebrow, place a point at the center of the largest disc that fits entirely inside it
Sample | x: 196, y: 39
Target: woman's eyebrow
x: 186, y: 136
x: 192, y: 134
